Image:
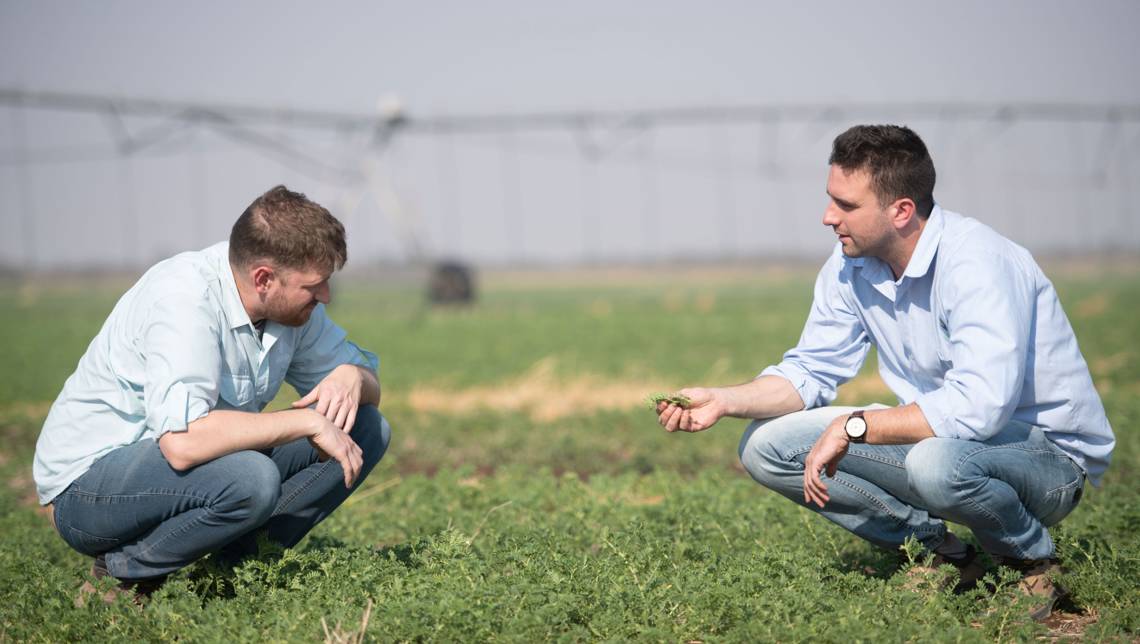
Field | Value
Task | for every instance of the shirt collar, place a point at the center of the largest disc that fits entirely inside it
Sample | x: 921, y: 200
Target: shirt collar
x: 879, y: 274
x: 231, y: 301
x: 924, y: 252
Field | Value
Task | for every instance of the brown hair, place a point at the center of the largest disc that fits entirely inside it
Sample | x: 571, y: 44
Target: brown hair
x: 895, y: 157
x: 287, y: 230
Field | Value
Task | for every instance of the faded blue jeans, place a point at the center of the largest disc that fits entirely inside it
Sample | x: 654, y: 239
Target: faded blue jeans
x: 148, y: 520
x: 1008, y: 489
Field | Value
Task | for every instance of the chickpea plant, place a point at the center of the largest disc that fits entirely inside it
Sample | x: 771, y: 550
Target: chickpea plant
x: 677, y: 399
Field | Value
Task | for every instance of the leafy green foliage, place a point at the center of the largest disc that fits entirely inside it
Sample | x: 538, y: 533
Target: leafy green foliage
x: 677, y: 399
x: 489, y: 524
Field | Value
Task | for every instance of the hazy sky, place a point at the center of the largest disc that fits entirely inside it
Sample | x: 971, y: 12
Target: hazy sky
x: 492, y: 57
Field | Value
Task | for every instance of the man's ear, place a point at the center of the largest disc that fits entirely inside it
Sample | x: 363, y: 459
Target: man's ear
x: 262, y: 277
x: 903, y: 211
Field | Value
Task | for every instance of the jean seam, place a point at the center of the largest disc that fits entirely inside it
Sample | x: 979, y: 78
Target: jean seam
x: 86, y: 536
x: 111, y: 555
x: 878, y: 459
x: 874, y: 500
x: 1078, y: 478
x: 1063, y: 488
x: 306, y: 485
x: 1062, y: 492
x: 207, y: 511
x: 195, y: 523
x: 89, y: 496
x: 989, y: 448
x: 886, y: 510
x: 857, y: 454
x: 1021, y: 554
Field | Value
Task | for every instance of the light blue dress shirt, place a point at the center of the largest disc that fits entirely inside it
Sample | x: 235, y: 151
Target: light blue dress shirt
x: 177, y: 345
x: 973, y: 333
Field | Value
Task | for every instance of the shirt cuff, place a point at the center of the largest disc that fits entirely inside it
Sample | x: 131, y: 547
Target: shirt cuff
x: 176, y: 411
x: 807, y: 388
x: 937, y: 416
x: 365, y: 358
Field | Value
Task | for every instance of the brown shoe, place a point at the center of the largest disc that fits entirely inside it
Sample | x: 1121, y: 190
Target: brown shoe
x: 137, y: 590
x: 1037, y: 582
x: 970, y: 571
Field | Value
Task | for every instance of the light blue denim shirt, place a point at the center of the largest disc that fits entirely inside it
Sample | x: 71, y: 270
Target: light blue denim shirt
x: 177, y: 345
x: 973, y: 333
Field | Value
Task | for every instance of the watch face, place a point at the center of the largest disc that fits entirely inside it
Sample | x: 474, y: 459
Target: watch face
x: 855, y: 427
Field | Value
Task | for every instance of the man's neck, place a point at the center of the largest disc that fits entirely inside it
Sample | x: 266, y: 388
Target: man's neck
x: 898, y: 257
x: 248, y: 296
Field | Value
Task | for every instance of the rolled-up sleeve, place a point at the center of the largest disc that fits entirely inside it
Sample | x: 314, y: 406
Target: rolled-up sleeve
x: 833, y: 344
x: 322, y: 347
x: 181, y: 347
x: 988, y: 308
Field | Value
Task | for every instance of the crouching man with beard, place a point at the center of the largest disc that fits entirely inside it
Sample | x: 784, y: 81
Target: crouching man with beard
x: 156, y: 452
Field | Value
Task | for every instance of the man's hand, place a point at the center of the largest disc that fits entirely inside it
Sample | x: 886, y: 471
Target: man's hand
x: 705, y: 410
x: 337, y: 397
x: 825, y: 454
x: 331, y: 442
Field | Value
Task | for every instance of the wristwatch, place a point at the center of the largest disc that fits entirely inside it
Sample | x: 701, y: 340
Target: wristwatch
x: 856, y: 427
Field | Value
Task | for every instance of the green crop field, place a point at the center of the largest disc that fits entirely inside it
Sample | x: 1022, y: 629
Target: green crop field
x: 529, y: 494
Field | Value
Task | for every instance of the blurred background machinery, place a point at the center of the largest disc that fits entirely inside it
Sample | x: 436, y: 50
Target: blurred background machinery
x: 109, y: 183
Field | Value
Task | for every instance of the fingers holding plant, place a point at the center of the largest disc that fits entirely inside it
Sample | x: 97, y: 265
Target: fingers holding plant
x: 692, y: 409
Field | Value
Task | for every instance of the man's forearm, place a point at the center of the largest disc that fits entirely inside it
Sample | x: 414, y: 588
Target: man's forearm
x: 897, y: 426
x: 764, y: 397
x: 222, y: 432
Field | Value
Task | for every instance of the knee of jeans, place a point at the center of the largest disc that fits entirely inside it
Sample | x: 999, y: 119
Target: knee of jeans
x: 933, y: 474
x: 759, y: 454
x: 254, y: 489
x: 372, y: 433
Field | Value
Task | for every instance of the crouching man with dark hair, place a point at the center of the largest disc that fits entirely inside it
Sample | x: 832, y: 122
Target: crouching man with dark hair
x: 155, y: 453
x: 998, y: 424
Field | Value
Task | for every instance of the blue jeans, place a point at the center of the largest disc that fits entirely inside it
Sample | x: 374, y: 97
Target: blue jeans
x: 1008, y: 489
x: 148, y: 519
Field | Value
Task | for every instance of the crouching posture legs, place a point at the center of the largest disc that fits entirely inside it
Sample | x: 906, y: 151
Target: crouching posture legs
x: 142, y: 519
x: 1008, y: 490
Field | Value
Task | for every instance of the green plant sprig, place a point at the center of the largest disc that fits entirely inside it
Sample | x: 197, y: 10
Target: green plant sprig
x: 684, y: 402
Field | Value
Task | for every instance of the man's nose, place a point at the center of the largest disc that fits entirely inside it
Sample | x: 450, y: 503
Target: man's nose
x: 830, y: 215
x: 324, y: 294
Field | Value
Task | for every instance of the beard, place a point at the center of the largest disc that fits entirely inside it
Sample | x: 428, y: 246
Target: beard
x: 282, y: 313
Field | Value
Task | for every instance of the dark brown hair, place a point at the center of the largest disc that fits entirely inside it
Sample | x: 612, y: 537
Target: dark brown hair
x: 895, y: 157
x: 287, y: 230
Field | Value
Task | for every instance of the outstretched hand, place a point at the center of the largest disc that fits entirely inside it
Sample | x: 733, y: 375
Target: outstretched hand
x: 828, y: 450
x: 337, y: 397
x: 704, y: 410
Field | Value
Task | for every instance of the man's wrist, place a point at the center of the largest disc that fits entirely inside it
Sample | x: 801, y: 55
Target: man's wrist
x: 840, y: 430
x: 312, y: 422
x: 726, y: 402
x: 855, y: 427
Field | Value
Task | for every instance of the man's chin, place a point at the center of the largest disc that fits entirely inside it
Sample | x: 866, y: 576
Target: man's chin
x: 297, y: 320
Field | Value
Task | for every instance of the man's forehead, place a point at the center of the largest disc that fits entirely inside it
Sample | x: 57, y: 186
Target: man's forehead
x: 314, y: 276
x: 308, y: 276
x: 849, y: 181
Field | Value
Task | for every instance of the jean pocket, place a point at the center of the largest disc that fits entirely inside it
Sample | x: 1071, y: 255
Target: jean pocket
x: 85, y: 542
x: 1064, y: 500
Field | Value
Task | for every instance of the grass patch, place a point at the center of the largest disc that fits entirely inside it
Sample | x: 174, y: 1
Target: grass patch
x: 530, y: 495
